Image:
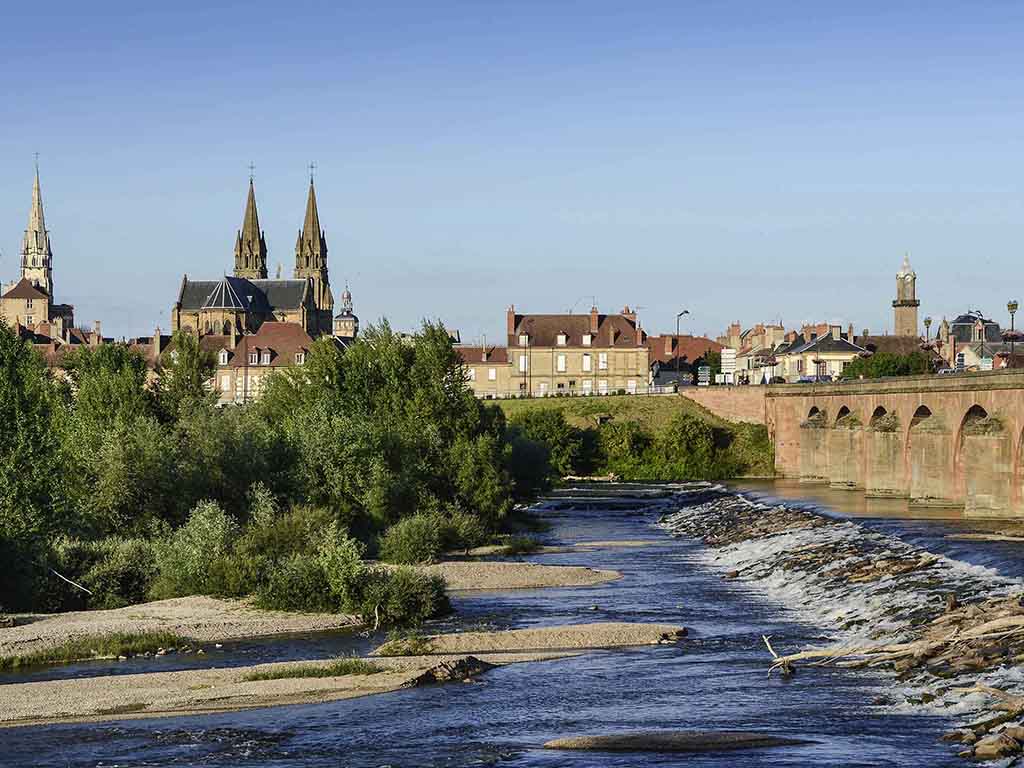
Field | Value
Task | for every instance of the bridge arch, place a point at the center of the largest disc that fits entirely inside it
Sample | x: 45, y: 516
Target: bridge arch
x: 846, y: 450
x: 929, y: 459
x: 983, y: 462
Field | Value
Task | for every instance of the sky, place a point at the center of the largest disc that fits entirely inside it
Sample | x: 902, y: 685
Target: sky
x: 746, y: 161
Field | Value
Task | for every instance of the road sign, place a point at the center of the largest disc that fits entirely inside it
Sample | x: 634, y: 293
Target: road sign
x: 985, y: 364
x: 728, y: 360
x: 703, y: 376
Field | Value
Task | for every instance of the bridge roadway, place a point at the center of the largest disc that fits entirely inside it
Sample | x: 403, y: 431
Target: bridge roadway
x: 948, y: 441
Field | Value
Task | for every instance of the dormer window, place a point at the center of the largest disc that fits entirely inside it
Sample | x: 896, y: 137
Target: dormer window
x: 300, y: 358
x: 223, y: 357
x: 524, y: 340
x: 254, y: 358
x: 265, y: 358
x: 588, y: 339
x: 561, y: 339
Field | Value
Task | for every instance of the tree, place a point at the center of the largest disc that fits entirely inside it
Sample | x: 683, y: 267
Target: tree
x: 184, y: 375
x: 564, y: 441
x: 883, y: 364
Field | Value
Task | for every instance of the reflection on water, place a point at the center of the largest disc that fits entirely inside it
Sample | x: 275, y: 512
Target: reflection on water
x: 852, y: 503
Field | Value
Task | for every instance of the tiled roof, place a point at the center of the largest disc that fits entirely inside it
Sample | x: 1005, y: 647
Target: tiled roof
x: 612, y: 330
x: 282, y: 340
x: 475, y: 354
x: 688, y: 348
x: 895, y: 345
x: 25, y: 290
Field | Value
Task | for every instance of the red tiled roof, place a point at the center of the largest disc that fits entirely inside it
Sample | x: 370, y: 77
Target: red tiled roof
x: 688, y: 348
x: 543, y: 330
x: 25, y: 290
x: 476, y: 354
x: 282, y: 340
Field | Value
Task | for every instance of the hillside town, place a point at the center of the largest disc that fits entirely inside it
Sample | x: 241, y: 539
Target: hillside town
x: 253, y: 324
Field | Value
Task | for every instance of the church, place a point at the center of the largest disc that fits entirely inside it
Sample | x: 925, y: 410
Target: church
x: 242, y: 303
x: 29, y: 302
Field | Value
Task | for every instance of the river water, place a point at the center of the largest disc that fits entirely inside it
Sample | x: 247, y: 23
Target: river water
x: 714, y: 679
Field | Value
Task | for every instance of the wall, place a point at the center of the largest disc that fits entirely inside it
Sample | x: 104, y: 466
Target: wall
x: 937, y: 440
x: 741, y: 403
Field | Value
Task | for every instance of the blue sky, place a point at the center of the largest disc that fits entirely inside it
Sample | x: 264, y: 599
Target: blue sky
x: 747, y: 161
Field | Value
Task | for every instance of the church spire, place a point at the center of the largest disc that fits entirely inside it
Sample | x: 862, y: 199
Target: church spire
x: 250, y: 246
x: 36, y: 256
x: 311, y: 259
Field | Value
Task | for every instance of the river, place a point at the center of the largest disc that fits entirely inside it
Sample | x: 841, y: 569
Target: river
x: 714, y: 679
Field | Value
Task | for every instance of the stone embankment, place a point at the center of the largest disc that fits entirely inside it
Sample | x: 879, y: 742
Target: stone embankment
x: 951, y: 633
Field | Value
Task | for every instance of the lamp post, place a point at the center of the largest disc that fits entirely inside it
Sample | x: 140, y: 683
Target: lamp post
x: 678, y: 316
x: 1011, y: 307
x: 927, y: 329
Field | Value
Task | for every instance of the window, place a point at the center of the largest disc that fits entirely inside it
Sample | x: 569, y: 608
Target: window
x: 522, y: 363
x: 524, y: 340
x: 561, y: 339
x: 300, y: 358
x: 602, y: 386
x: 28, y: 303
x: 602, y: 361
x: 587, y: 385
x: 471, y: 373
x: 265, y: 358
x: 223, y: 357
x: 560, y: 363
x: 492, y: 374
x: 225, y: 383
x: 587, y: 367
x: 543, y: 389
x: 254, y: 358
x: 29, y: 320
x: 587, y: 339
x: 631, y: 386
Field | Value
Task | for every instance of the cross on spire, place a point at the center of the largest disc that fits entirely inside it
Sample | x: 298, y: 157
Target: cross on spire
x: 312, y: 171
x: 252, y: 170
x: 37, y: 162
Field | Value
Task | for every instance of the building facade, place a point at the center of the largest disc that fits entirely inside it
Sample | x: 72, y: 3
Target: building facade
x: 488, y: 372
x: 576, y: 354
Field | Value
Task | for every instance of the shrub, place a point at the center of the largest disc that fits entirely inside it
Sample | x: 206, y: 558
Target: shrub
x: 186, y: 558
x: 464, y: 530
x: 400, y: 597
x: 340, y: 558
x: 528, y: 462
x: 297, y: 582
x: 337, y: 668
x: 406, y: 643
x: 416, y: 539
x: 563, y: 441
x: 521, y: 545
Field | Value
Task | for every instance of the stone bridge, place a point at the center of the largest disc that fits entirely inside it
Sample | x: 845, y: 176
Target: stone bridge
x: 947, y: 441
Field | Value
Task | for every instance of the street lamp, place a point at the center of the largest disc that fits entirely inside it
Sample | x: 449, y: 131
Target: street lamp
x: 1011, y: 307
x: 678, y: 316
x: 927, y: 329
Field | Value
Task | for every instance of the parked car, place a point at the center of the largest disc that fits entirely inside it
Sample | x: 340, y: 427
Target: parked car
x: 945, y: 371
x: 814, y: 380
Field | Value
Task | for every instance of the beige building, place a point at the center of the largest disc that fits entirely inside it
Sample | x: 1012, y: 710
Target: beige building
x: 905, y: 305
x: 576, y: 354
x: 488, y: 373
x: 821, y: 351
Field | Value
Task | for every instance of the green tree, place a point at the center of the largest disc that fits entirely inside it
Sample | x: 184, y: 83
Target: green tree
x: 184, y: 374
x: 564, y: 441
x: 883, y: 364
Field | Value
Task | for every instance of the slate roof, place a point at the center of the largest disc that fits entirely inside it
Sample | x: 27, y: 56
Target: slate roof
x: 25, y: 290
x: 827, y: 343
x: 227, y: 295
x: 612, y: 330
x: 962, y: 328
x: 895, y: 345
x: 260, y: 295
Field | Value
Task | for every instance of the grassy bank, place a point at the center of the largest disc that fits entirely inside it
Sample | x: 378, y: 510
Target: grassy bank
x: 336, y: 668
x: 96, y: 647
x: 642, y: 438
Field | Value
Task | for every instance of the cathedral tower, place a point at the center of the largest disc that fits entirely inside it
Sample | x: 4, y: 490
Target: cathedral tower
x: 36, y: 257
x: 311, y: 260
x: 906, y: 303
x: 250, y: 247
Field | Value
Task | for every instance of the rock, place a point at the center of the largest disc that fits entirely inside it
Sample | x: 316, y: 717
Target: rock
x: 1014, y: 732
x: 6, y: 622
x: 963, y: 735
x: 449, y: 671
x: 594, y: 608
x: 200, y: 652
x: 998, y: 745
x: 732, y: 575
x: 674, y: 741
x: 670, y: 638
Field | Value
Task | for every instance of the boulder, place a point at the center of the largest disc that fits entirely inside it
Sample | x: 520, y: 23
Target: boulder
x: 673, y: 741
x: 997, y: 745
x: 465, y: 668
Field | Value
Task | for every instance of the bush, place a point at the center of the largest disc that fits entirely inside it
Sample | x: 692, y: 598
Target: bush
x: 528, y: 463
x: 464, y: 530
x: 563, y: 441
x: 400, y: 597
x: 185, y: 560
x: 416, y: 539
x: 296, y: 583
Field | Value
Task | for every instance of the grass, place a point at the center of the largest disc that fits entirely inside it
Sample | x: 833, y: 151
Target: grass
x: 520, y: 545
x: 406, y: 644
x: 94, y: 647
x: 336, y: 668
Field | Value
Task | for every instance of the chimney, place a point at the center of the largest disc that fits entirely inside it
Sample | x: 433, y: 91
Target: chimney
x: 593, y: 320
x: 669, y: 344
x: 234, y: 335
x: 629, y: 314
x: 97, y: 333
x: 510, y: 320
x: 866, y: 333
x: 157, y: 341
x: 849, y: 333
x: 483, y: 353
x: 836, y: 331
